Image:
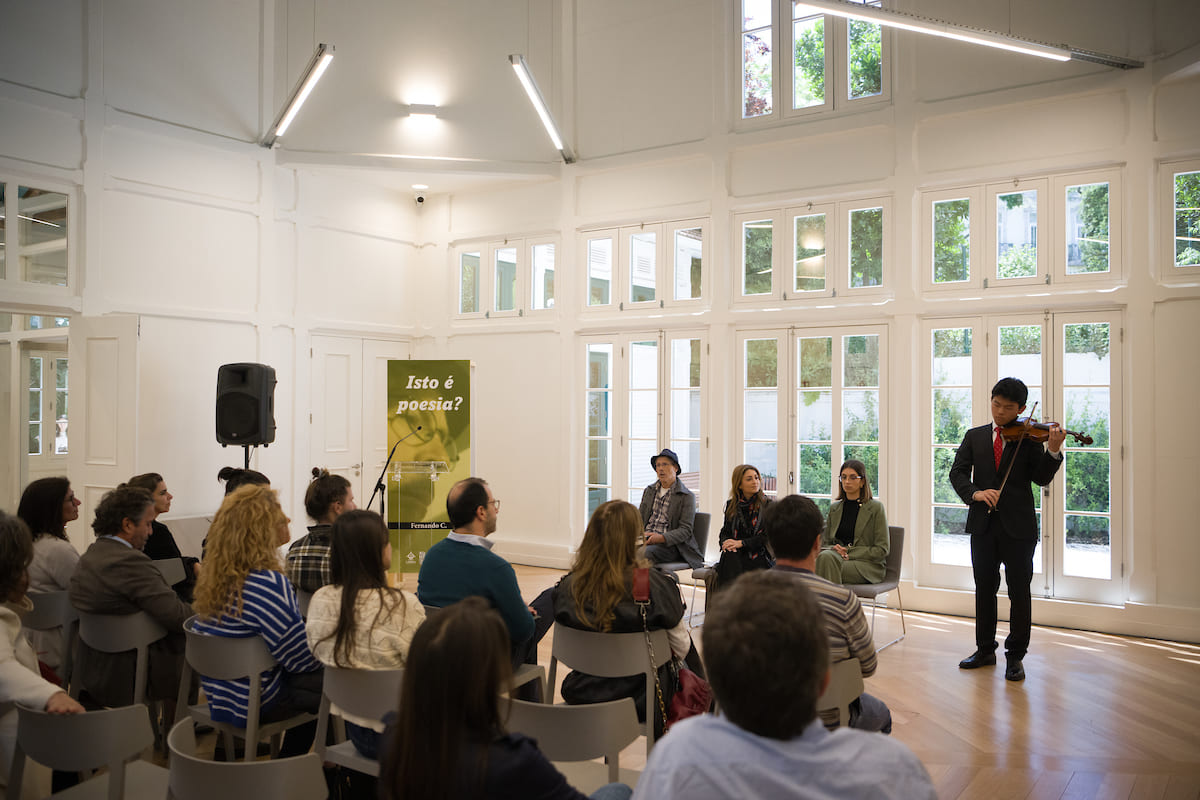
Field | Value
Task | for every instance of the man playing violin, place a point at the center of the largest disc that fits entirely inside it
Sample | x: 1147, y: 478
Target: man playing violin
x: 993, y: 477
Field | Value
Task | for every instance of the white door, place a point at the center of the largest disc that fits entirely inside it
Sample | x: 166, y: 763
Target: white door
x: 349, y: 399
x: 103, y: 352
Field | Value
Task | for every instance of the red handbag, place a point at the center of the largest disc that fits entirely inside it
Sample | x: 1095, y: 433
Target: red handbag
x: 692, y: 694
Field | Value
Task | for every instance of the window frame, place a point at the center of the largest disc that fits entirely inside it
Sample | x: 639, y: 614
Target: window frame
x: 486, y: 277
x: 837, y: 68
x: 620, y: 286
x: 12, y: 284
x: 992, y: 192
x: 1168, y: 272
x: 975, y: 235
x: 1116, y: 264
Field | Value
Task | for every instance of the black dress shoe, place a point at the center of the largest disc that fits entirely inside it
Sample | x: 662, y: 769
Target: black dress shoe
x: 1014, y: 671
x: 977, y: 659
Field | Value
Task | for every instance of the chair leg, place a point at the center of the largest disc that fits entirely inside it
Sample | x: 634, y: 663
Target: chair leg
x: 903, y: 626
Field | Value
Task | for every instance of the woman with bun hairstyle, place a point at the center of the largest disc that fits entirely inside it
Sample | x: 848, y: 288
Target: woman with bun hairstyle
x: 161, y: 544
x: 328, y: 497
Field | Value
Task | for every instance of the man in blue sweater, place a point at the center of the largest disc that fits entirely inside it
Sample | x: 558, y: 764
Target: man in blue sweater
x: 463, y: 564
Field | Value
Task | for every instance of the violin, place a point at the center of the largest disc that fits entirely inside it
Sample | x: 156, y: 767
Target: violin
x: 1025, y: 428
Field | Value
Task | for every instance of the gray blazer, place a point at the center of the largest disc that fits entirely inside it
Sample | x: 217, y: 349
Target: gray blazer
x: 681, y: 513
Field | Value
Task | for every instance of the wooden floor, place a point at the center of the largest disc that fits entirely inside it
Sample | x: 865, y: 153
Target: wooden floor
x: 1098, y: 716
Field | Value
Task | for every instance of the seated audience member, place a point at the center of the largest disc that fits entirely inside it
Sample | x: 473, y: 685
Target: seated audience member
x: 115, y: 577
x: 743, y: 545
x: 448, y: 739
x: 668, y: 511
x: 597, y: 595
x: 358, y: 621
x: 793, y: 525
x: 235, y: 478
x: 463, y: 565
x: 327, y: 497
x: 161, y: 544
x: 855, y: 546
x: 241, y: 592
x: 768, y: 663
x: 20, y: 681
x: 46, y: 506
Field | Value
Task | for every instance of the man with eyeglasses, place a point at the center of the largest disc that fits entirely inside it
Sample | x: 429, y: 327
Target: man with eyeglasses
x: 668, y: 511
x: 463, y: 565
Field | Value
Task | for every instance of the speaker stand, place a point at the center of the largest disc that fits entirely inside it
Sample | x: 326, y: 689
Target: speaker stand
x: 246, y: 447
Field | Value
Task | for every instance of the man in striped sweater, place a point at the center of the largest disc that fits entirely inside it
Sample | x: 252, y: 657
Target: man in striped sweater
x: 793, y: 527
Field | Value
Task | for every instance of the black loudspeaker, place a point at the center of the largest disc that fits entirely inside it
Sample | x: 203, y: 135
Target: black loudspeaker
x: 245, y: 404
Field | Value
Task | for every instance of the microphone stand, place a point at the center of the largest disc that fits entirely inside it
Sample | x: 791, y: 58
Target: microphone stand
x: 380, y: 487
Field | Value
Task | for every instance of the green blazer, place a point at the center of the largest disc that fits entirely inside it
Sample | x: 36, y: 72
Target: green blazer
x: 871, y: 540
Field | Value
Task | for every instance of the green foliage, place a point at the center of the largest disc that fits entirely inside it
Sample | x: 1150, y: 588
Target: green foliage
x: 762, y: 363
x: 866, y: 247
x: 469, y: 284
x: 757, y: 256
x: 816, y: 468
x: 943, y: 492
x: 1187, y: 219
x: 809, y: 66
x: 864, y: 426
x: 951, y: 415
x: 1087, y: 481
x: 816, y: 361
x: 952, y: 342
x: 866, y: 59
x: 1087, y: 530
x: 1090, y: 338
x: 756, y: 74
x: 1018, y: 261
x: 952, y: 241
x: 1093, y: 233
x: 1019, y: 340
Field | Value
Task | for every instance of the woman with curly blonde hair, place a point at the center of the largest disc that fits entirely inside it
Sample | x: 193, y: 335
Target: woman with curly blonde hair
x: 597, y: 594
x: 241, y: 592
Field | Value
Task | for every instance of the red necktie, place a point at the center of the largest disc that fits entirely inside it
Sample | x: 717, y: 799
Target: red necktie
x: 998, y: 447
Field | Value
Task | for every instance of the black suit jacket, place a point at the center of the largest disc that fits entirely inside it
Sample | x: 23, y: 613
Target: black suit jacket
x: 974, y: 469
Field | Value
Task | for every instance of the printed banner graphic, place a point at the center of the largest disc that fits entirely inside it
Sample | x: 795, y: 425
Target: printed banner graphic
x: 429, y: 413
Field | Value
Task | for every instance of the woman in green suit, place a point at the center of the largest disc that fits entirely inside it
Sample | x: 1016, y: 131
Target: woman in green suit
x: 854, y: 547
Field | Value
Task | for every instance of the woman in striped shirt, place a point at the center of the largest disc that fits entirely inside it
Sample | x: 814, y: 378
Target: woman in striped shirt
x: 241, y: 592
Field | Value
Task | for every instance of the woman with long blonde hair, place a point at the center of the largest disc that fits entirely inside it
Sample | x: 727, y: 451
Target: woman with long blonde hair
x: 597, y: 594
x: 242, y: 592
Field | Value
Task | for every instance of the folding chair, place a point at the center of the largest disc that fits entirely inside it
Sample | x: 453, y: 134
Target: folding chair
x: 579, y: 734
x: 364, y: 693
x: 194, y: 778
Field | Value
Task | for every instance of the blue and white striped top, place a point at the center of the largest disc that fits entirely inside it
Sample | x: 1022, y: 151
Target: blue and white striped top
x: 269, y: 610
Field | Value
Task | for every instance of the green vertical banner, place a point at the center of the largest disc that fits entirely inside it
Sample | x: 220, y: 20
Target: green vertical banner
x: 429, y: 414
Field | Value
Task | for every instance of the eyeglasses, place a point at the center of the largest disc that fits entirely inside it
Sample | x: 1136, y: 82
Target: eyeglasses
x: 844, y: 478
x: 496, y: 504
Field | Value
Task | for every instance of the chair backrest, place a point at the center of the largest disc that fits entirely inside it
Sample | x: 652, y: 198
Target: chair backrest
x: 367, y: 693
x: 172, y: 569
x: 77, y: 742
x: 700, y: 527
x: 612, y: 655
x: 895, y: 558
x: 118, y: 633
x: 845, y: 686
x: 226, y: 657
x: 579, y: 733
x: 50, y: 610
x: 194, y: 778
x: 303, y: 599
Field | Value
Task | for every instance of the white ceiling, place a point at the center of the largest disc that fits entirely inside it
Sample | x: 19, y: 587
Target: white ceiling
x: 450, y: 53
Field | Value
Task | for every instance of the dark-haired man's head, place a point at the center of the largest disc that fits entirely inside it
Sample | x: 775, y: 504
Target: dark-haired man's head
x: 769, y: 626
x: 464, y: 504
x: 1009, y: 396
x: 792, y: 524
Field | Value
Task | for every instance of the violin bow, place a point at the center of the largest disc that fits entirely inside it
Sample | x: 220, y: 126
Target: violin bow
x: 1013, y: 460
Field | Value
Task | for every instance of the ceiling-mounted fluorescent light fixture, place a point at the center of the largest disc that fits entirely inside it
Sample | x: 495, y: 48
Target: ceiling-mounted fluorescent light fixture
x: 539, y: 104
x: 962, y: 33
x: 308, y: 79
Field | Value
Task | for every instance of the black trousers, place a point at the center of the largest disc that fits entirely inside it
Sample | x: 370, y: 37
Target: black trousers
x: 988, y: 551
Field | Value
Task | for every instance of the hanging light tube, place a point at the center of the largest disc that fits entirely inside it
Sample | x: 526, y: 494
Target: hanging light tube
x: 308, y: 79
x: 539, y: 105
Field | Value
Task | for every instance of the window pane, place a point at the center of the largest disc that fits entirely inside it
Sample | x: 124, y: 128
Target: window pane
x: 869, y: 455
x: 861, y: 360
x: 1016, y: 235
x: 468, y: 282
x: 764, y: 456
x: 866, y: 58
x: 3, y: 232
x: 1087, y: 480
x: 1089, y: 548
x: 762, y: 411
x: 1187, y: 219
x: 762, y: 363
x: 943, y: 459
x: 542, y: 276
x: 60, y: 406
x: 685, y: 363
x: 810, y: 253
x: 599, y: 414
x: 816, y: 362
x: 689, y: 255
x: 595, y: 497
x: 506, y: 278
x: 599, y: 459
x: 1085, y: 354
x: 1087, y: 228
x: 808, y: 67
x: 643, y: 413
x: 641, y: 474
x: 952, y: 241
x: 756, y: 14
x: 599, y: 366
x: 951, y: 415
x: 952, y: 357
x: 643, y: 365
x: 860, y: 415
x: 757, y: 256
x: 1088, y: 413
x: 599, y: 271
x: 42, y: 233
x: 951, y: 543
x: 643, y: 266
x: 756, y: 74
x: 866, y: 247
x: 685, y: 413
x: 816, y: 468
x: 1021, y: 356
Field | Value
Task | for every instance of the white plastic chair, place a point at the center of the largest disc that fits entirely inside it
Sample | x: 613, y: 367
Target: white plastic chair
x: 891, y: 581
x: 612, y: 655
x: 231, y: 658
x: 845, y: 686
x: 172, y: 569
x: 364, y: 693
x: 120, y: 633
x: 194, y: 778
x: 572, y: 736
x: 77, y: 742
x: 54, y: 610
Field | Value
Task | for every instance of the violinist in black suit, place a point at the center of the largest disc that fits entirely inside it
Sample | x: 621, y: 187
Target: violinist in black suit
x: 1003, y: 524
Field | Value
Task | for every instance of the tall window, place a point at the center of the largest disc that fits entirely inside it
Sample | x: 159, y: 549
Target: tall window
x: 812, y: 250
x: 1181, y: 183
x: 796, y: 60
x: 1069, y: 364
x: 34, y: 234
x: 643, y: 392
x: 47, y: 414
x: 821, y: 391
x: 506, y: 278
